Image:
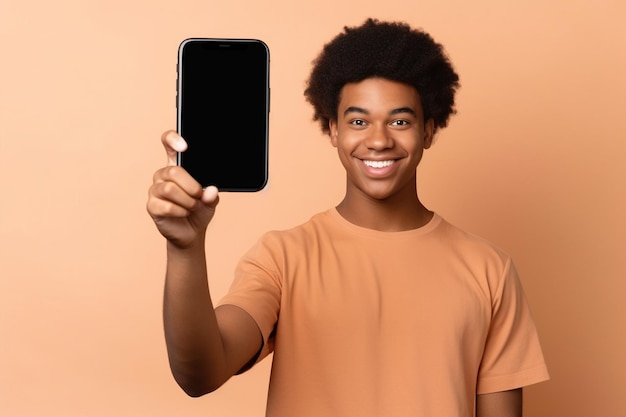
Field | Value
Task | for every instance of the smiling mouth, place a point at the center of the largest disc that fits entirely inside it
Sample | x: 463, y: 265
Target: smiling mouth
x: 378, y: 164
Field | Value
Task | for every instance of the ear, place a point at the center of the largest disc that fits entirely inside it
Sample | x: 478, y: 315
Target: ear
x: 333, y: 132
x: 429, y: 133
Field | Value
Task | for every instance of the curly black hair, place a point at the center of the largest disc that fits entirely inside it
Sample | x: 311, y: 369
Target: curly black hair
x: 390, y: 50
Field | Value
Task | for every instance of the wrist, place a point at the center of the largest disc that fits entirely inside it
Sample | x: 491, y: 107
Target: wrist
x: 189, y: 248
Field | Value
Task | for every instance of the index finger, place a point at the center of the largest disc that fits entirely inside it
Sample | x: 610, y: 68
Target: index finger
x: 173, y: 143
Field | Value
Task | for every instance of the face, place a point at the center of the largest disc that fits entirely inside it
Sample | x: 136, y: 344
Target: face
x: 380, y: 136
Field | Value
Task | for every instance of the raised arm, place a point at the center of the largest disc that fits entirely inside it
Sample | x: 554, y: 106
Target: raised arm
x: 205, y: 346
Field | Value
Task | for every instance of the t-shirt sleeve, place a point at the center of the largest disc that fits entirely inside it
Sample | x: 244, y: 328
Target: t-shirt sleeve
x: 256, y: 289
x: 512, y: 357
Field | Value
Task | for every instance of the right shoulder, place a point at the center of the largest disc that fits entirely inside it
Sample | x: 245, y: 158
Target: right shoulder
x: 319, y: 226
x: 276, y: 249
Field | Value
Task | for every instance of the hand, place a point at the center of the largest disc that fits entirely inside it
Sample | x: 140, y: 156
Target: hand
x: 179, y: 207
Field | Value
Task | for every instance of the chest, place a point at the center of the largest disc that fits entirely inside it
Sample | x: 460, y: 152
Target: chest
x: 382, y: 292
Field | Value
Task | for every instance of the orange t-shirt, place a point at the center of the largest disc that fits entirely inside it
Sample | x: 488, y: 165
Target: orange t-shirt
x: 369, y: 323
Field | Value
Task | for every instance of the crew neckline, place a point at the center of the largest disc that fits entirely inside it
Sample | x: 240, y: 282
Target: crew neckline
x: 364, y: 231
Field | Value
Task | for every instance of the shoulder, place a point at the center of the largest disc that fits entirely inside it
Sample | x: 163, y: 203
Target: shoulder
x: 319, y: 228
x: 489, y: 265
x: 465, y: 243
x: 276, y: 250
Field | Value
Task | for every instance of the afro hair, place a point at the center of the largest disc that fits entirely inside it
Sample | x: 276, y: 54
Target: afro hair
x: 390, y: 50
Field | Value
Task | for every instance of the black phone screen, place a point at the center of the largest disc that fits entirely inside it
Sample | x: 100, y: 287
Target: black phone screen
x: 223, y: 109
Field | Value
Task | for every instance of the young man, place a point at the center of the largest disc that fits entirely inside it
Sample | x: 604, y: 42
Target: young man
x: 377, y: 307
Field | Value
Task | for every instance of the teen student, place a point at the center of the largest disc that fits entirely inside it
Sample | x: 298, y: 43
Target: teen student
x: 375, y: 307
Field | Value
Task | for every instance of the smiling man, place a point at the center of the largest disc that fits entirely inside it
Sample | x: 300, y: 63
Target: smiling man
x: 380, y: 135
x: 378, y: 306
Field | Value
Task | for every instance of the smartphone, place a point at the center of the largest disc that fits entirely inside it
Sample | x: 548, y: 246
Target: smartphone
x: 223, y: 111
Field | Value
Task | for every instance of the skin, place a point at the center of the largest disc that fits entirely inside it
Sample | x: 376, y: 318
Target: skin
x: 500, y: 404
x: 378, y: 120
x: 205, y: 346
x: 381, y: 120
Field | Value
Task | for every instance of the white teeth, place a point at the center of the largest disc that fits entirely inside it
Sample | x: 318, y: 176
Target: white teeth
x: 378, y: 164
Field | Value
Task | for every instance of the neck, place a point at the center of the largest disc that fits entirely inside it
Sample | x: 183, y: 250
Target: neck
x: 393, y: 214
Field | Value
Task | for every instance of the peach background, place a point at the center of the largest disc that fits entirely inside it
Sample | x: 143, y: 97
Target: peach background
x: 534, y: 161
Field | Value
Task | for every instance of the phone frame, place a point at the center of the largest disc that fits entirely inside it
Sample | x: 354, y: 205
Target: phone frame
x: 179, y: 98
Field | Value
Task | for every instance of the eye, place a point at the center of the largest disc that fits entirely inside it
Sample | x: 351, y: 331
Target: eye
x: 399, y: 122
x: 358, y: 122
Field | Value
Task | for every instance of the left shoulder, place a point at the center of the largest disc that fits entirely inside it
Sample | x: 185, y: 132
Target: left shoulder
x: 471, y: 245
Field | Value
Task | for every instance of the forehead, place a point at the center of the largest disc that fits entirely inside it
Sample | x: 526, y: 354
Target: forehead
x: 379, y: 94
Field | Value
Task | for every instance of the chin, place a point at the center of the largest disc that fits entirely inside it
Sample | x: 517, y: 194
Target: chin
x: 379, y: 195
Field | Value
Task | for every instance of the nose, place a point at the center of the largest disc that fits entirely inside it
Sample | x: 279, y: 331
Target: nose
x: 379, y: 138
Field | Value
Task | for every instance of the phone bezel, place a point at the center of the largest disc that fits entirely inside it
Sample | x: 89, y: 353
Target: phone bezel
x: 179, y: 98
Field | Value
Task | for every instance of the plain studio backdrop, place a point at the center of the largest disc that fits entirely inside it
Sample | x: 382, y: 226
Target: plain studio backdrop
x: 533, y: 161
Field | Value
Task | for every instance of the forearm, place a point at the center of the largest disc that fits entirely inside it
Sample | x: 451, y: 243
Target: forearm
x: 192, y: 335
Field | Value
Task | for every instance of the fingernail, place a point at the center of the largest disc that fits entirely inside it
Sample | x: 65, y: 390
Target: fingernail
x: 179, y: 144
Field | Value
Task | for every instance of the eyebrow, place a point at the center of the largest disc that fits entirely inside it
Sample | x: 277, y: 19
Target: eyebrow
x: 355, y: 109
